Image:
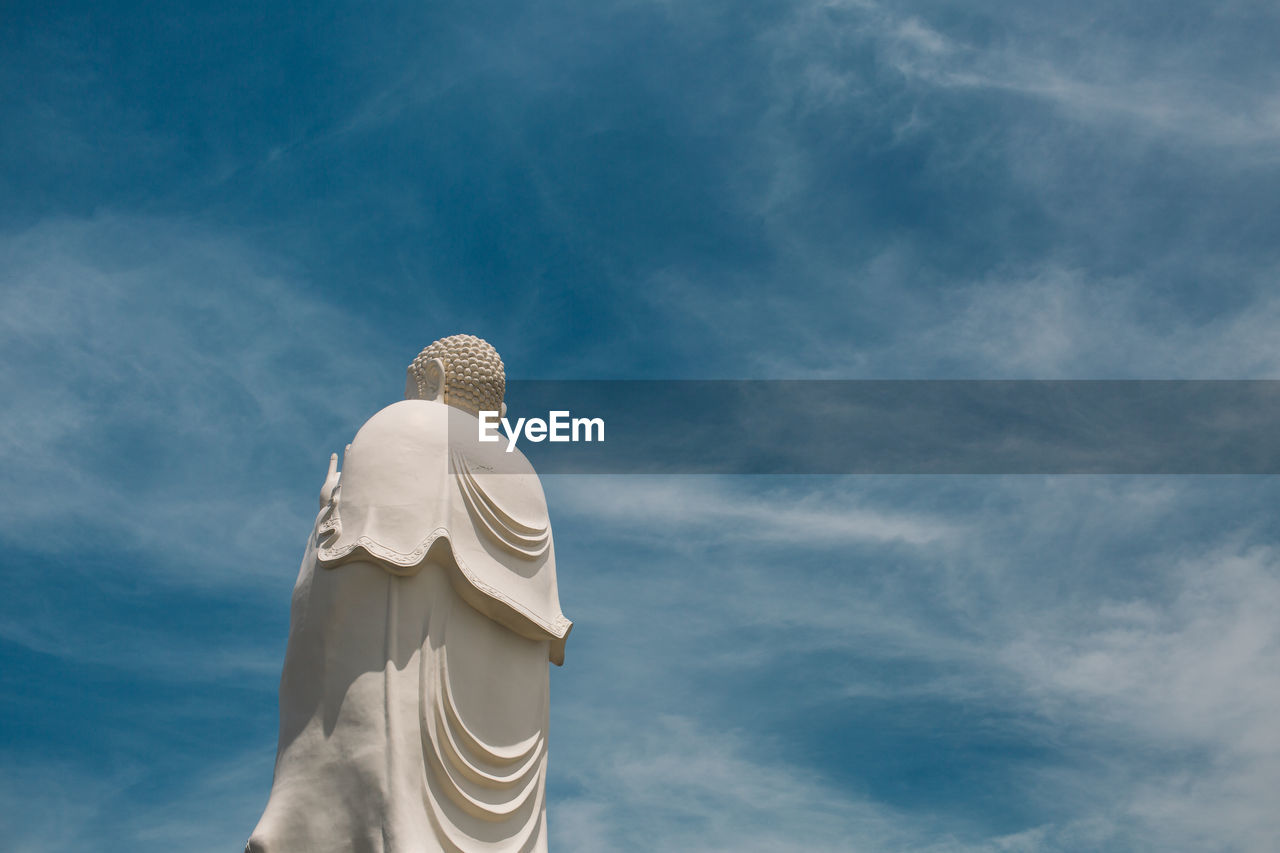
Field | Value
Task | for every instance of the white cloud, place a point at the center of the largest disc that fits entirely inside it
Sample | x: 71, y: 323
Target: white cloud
x: 1091, y: 616
x: 60, y: 807
x: 1063, y: 323
x: 1132, y: 158
x: 1197, y: 675
x: 172, y: 351
x: 802, y: 517
x: 1097, y: 76
x: 676, y: 784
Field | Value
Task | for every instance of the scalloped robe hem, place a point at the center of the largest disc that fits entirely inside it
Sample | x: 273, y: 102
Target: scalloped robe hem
x: 409, y: 721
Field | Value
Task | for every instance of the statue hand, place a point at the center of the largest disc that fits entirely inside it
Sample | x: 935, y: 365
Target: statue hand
x: 330, y: 481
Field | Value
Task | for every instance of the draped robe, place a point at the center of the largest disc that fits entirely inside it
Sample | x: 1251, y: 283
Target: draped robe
x: 414, y: 697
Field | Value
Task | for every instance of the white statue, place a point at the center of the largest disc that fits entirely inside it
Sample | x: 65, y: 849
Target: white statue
x: 413, y: 704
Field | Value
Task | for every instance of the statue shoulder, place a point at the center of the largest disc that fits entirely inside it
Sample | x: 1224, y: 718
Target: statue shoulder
x: 407, y: 420
x: 410, y: 454
x: 416, y: 425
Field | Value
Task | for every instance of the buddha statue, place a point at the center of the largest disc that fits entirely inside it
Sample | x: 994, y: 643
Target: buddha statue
x: 414, y: 696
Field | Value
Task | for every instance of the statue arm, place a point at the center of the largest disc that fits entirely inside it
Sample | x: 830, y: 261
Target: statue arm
x: 330, y: 481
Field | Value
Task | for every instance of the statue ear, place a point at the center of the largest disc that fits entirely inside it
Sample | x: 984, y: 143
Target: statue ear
x: 427, y: 385
x: 503, y: 413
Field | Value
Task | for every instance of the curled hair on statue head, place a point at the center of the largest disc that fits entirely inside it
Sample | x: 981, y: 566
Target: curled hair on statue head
x: 462, y: 371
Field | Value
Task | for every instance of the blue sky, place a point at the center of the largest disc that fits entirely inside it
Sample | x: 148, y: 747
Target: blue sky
x: 226, y: 230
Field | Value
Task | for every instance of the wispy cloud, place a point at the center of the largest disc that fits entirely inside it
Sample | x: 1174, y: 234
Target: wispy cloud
x: 151, y: 360
x: 62, y: 807
x: 1147, y: 679
x: 1058, y: 322
x: 806, y: 517
x: 680, y: 784
x: 815, y: 189
x: 1068, y: 58
x: 999, y: 192
x: 1196, y: 675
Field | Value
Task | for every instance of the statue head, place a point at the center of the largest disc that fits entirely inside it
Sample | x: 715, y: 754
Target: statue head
x: 462, y: 371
